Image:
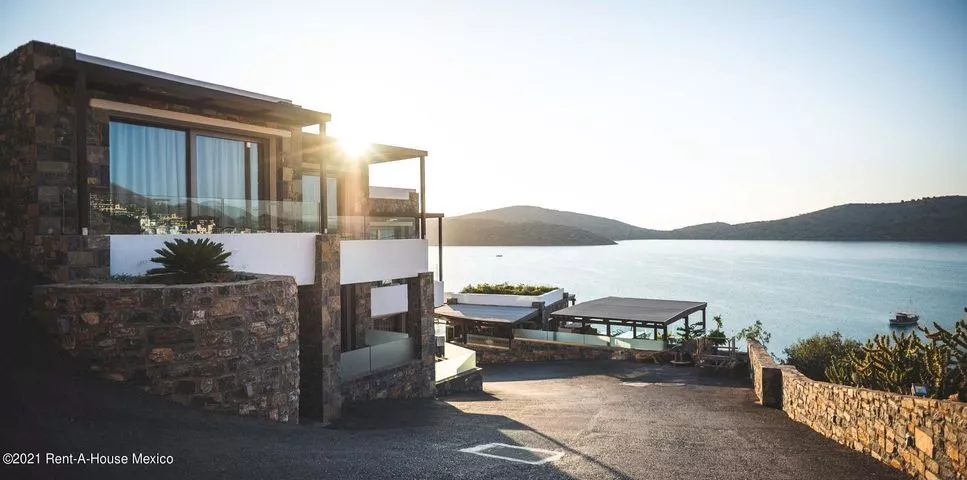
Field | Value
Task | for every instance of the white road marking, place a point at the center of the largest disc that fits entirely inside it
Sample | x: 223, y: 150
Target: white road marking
x: 647, y: 384
x: 479, y: 449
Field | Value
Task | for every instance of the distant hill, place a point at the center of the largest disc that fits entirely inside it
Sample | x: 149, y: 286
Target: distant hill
x: 605, y: 227
x: 939, y: 219
x: 481, y: 231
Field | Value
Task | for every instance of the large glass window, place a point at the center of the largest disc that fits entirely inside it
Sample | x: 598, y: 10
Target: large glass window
x: 226, y: 183
x: 311, y: 202
x: 165, y: 180
x: 149, y: 181
x: 311, y: 193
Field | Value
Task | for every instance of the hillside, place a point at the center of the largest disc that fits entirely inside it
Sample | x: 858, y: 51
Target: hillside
x: 482, y: 232
x: 605, y: 227
x: 939, y: 219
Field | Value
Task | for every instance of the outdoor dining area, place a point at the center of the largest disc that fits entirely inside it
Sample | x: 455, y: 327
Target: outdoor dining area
x: 602, y: 322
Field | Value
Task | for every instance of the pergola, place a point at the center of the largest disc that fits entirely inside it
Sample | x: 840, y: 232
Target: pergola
x: 633, y: 312
x: 502, y: 319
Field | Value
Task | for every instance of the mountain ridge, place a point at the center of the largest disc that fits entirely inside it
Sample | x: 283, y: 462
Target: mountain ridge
x: 935, y: 219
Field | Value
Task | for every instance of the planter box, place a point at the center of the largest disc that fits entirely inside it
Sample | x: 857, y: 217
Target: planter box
x: 507, y: 300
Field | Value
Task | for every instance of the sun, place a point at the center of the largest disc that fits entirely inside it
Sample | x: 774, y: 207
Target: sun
x: 354, y: 147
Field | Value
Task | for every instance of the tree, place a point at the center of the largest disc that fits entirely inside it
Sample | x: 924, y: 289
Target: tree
x: 813, y: 355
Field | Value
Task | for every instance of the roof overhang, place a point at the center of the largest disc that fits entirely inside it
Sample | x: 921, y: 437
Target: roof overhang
x: 373, y: 153
x: 631, y: 311
x: 491, y: 314
x: 130, y: 80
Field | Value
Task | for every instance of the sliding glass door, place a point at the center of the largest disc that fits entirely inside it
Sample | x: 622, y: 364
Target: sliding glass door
x: 226, y: 187
x: 169, y: 180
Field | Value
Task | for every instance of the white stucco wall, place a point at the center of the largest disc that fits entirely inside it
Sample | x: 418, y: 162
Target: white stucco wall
x: 270, y: 253
x: 507, y: 300
x: 375, y: 260
x: 388, y: 300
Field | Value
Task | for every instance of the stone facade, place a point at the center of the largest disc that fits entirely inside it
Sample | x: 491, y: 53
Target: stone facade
x: 403, y: 382
x: 528, y: 350
x: 387, y: 207
x: 320, y: 334
x: 926, y: 438
x: 229, y: 347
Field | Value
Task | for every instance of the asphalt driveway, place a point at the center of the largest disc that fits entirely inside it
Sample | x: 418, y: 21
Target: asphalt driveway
x: 607, y: 419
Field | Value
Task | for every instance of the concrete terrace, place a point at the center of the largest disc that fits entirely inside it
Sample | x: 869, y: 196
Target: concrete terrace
x: 610, y: 419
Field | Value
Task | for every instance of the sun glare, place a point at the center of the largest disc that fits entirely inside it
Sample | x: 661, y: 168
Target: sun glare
x: 353, y: 147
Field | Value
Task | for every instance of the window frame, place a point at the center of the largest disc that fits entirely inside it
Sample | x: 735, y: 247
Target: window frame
x: 191, y: 132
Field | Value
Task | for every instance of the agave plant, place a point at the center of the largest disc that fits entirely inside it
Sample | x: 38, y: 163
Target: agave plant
x: 192, y: 260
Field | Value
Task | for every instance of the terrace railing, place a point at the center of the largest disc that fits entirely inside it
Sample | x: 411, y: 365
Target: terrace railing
x: 458, y: 360
x: 384, y: 350
x: 592, y: 340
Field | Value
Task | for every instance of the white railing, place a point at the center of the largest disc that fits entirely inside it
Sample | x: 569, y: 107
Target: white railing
x: 375, y: 260
x: 458, y: 360
x: 388, y: 300
x: 386, y: 350
x: 594, y: 340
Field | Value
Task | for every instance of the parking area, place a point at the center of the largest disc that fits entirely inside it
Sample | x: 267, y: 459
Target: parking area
x: 605, y: 419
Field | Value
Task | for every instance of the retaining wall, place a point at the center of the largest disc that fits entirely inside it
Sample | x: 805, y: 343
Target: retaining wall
x: 527, y: 350
x: 924, y: 437
x: 230, y: 347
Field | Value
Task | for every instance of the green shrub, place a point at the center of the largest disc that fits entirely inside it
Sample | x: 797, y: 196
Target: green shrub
x: 755, y: 332
x: 192, y: 261
x: 508, y: 289
x: 717, y: 336
x: 813, y: 355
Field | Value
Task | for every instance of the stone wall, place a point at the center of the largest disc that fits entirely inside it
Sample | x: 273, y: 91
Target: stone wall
x: 766, y: 376
x: 528, y: 350
x: 387, y: 207
x: 466, y: 382
x: 926, y: 438
x: 403, y: 382
x: 229, y: 347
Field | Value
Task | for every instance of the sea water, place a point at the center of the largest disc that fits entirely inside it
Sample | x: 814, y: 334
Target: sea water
x: 795, y: 288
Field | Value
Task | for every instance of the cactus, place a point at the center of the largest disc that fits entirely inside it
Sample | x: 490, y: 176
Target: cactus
x: 841, y: 370
x: 894, y: 363
x: 956, y: 345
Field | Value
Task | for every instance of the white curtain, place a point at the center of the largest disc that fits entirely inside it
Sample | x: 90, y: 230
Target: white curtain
x: 220, y: 168
x: 147, y: 162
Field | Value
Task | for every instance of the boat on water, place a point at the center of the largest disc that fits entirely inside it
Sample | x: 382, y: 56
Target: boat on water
x: 904, y: 319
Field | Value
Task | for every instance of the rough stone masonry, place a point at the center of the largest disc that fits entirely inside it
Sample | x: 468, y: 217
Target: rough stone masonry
x: 924, y: 437
x: 229, y: 347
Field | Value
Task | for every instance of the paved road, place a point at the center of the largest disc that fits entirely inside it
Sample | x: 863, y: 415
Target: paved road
x: 610, y: 419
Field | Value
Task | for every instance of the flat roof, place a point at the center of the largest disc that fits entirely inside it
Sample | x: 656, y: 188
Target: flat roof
x: 132, y: 80
x: 638, y: 310
x: 486, y: 313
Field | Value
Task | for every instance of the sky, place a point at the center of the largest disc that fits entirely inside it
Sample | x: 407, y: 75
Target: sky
x: 657, y: 113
